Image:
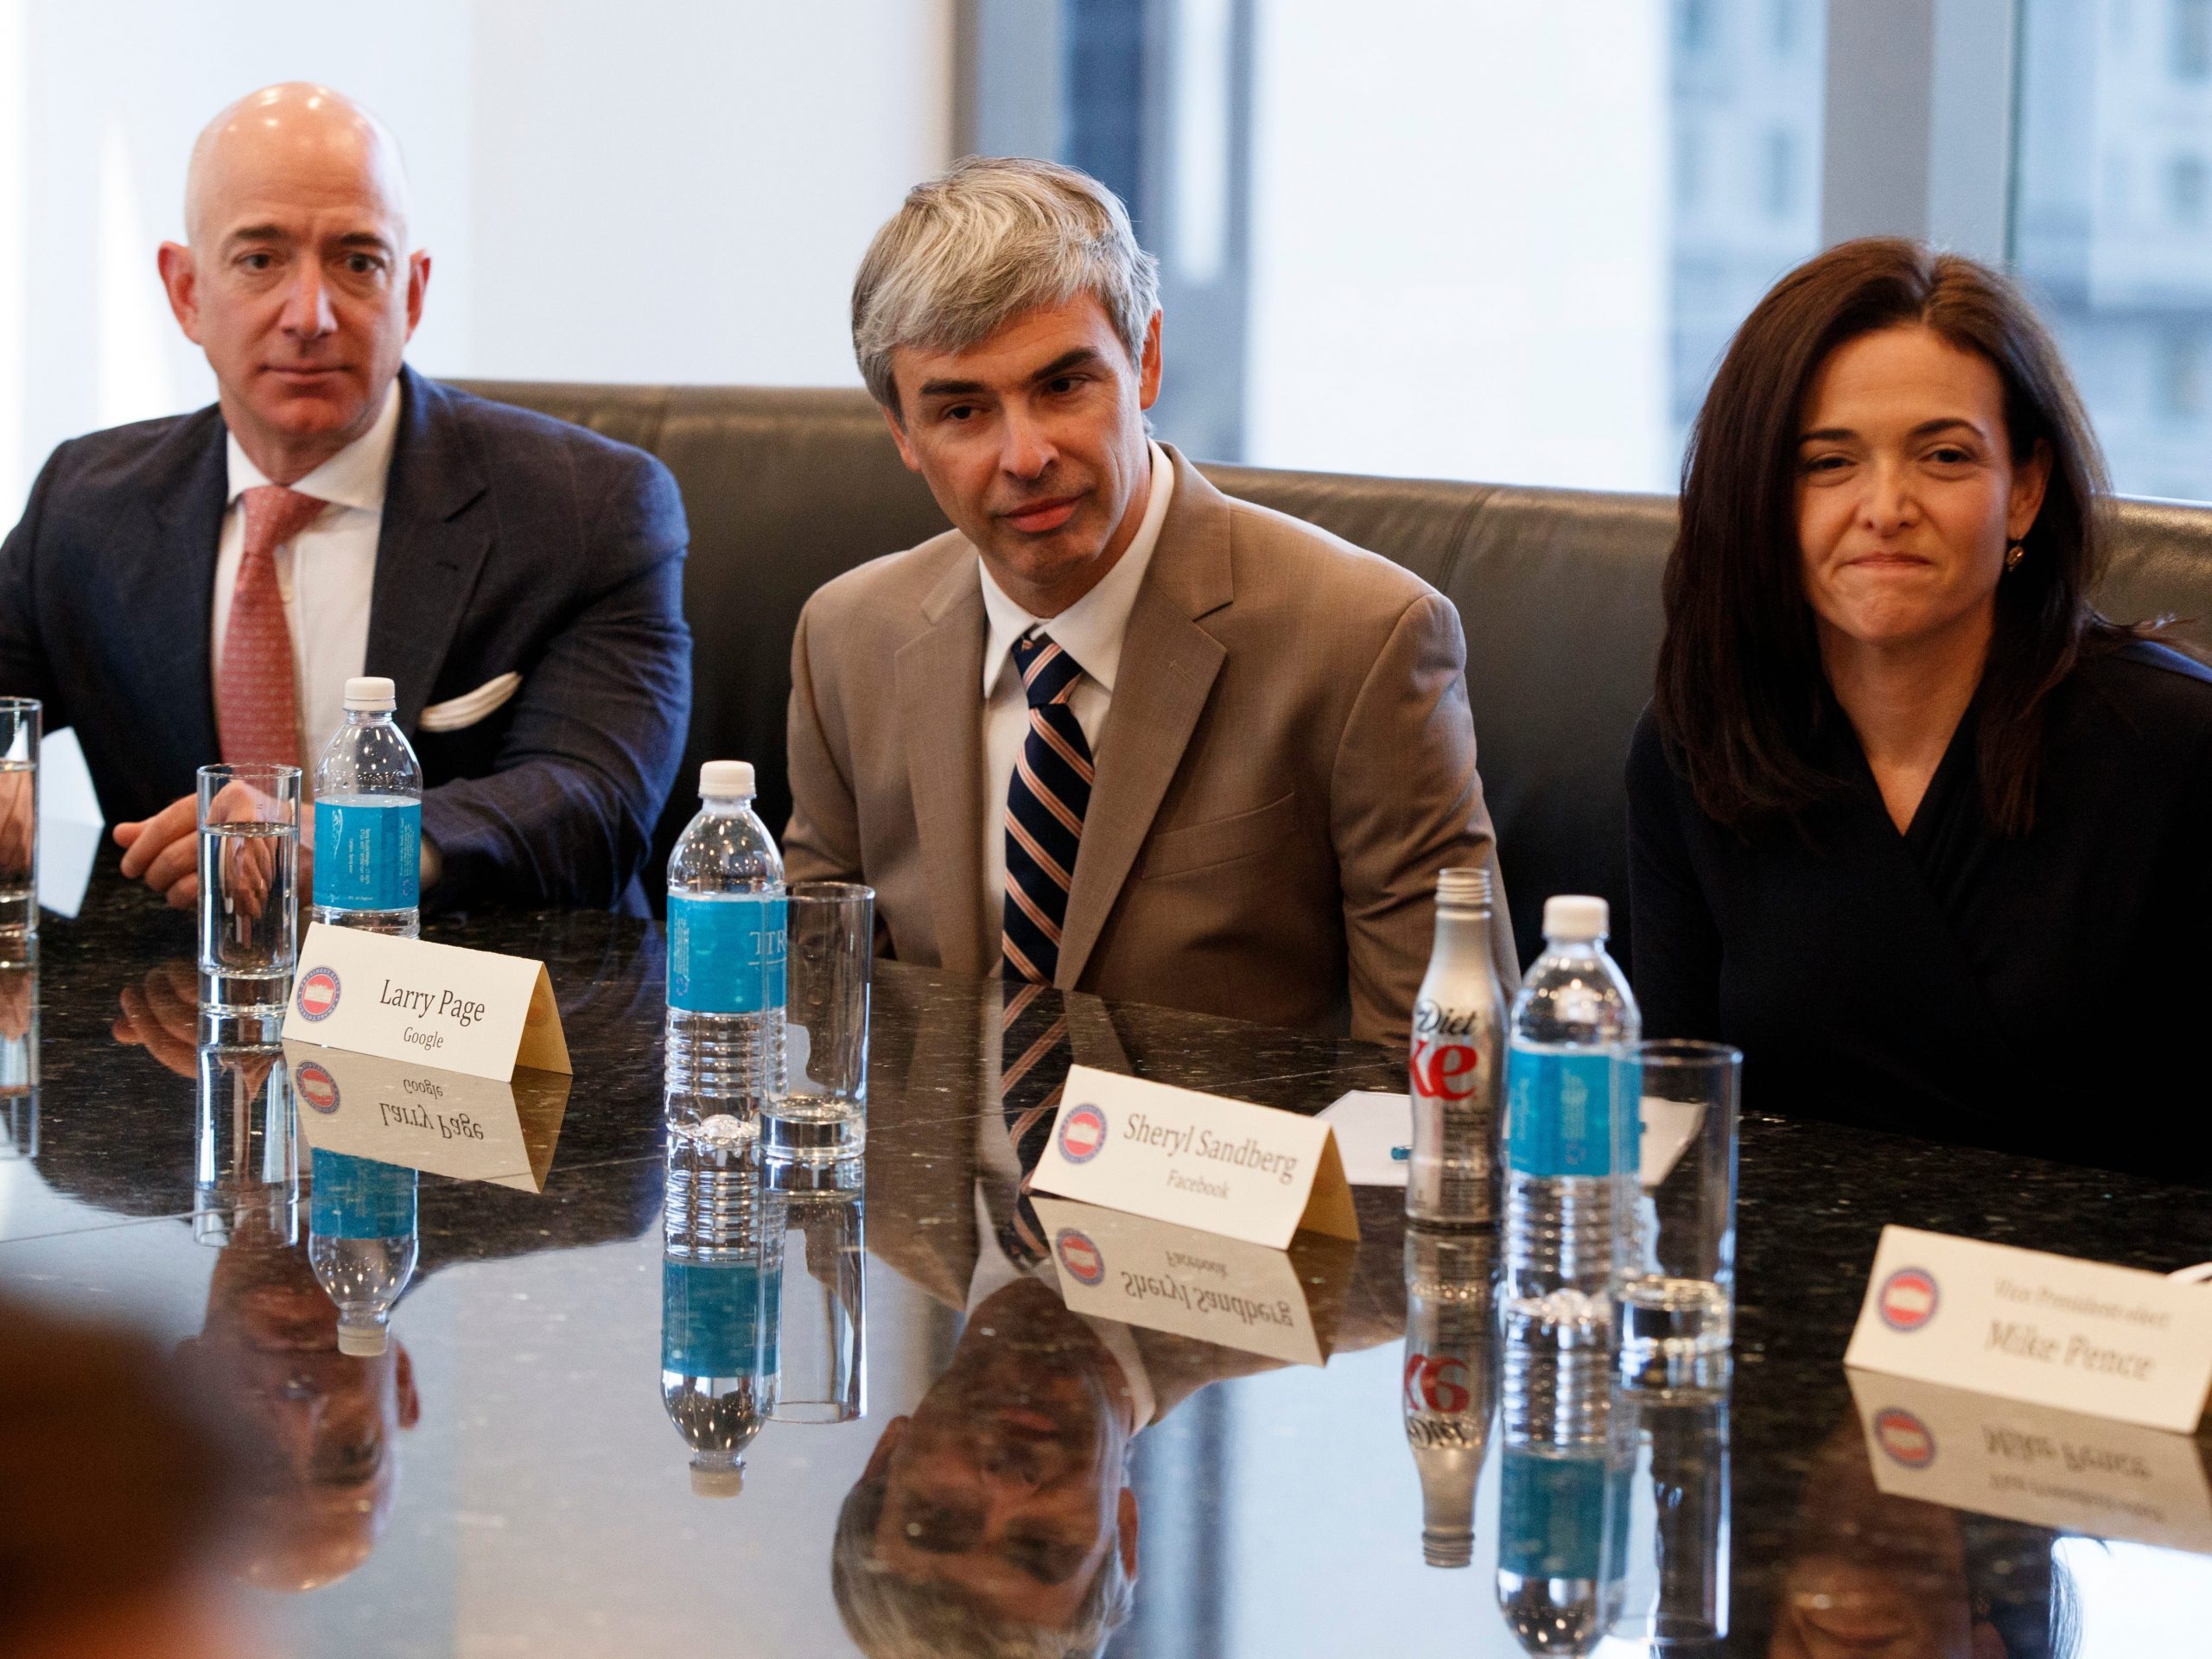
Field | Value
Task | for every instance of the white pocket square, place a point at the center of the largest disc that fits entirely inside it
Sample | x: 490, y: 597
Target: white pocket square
x: 466, y: 709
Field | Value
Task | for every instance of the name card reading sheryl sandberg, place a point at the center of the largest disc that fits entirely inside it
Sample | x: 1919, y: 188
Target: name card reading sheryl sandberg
x: 2111, y: 1342
x: 1221, y: 1165
x: 467, y: 1011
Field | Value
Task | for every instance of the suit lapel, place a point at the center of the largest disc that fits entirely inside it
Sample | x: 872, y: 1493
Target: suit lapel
x: 430, y: 547
x: 939, y: 676
x: 173, y: 598
x: 1167, y: 669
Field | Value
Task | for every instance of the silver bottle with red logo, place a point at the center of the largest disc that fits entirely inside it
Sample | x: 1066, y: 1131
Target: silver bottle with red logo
x: 1449, y: 1382
x: 1455, y: 1072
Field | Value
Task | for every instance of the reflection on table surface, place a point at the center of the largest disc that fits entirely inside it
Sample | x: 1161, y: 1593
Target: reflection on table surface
x: 589, y: 1392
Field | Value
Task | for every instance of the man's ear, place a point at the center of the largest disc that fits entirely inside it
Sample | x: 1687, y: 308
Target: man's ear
x: 181, y: 282
x: 418, y: 283
x: 1149, y: 370
x: 403, y: 1376
x: 1129, y: 1543
x: 898, y: 436
x: 880, y: 1460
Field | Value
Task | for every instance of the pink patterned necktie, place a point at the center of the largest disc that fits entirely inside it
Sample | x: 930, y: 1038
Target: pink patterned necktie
x: 257, y: 698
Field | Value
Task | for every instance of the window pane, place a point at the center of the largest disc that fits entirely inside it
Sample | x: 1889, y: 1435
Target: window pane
x: 2112, y: 226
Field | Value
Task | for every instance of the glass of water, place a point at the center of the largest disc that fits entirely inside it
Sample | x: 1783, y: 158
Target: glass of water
x: 824, y: 1318
x: 249, y: 897
x: 1675, y: 1240
x: 20, y: 728
x: 821, y: 1116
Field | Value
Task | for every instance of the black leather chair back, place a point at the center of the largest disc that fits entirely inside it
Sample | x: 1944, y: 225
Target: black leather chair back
x: 1558, y: 591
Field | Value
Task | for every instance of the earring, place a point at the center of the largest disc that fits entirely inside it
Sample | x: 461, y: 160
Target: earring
x: 2013, y: 555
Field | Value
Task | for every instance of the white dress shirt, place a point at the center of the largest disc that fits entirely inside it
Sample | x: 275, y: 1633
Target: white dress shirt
x: 1090, y: 630
x: 327, y: 573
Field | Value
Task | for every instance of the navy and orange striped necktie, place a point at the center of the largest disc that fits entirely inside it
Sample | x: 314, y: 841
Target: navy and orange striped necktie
x: 1044, y: 803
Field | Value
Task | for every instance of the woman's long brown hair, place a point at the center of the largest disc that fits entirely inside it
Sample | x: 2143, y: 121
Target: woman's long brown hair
x: 1742, y: 698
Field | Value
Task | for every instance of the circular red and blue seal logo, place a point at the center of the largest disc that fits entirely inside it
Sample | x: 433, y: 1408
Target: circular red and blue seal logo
x: 317, y: 1087
x: 1083, y: 1133
x: 1079, y: 1256
x: 317, y: 996
x: 1908, y: 1299
x: 1905, y: 1438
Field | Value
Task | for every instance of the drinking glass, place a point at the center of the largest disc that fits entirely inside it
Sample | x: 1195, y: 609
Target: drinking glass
x: 821, y: 1113
x: 248, y: 894
x: 824, y: 1318
x: 1674, y: 1237
x: 19, y: 719
x: 1676, y: 1592
x: 246, y: 1150
x: 18, y: 1062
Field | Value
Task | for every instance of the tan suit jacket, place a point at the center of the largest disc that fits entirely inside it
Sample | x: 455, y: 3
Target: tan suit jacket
x: 1287, y: 762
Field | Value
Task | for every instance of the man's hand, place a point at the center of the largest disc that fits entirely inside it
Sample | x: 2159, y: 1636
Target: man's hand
x: 163, y: 1014
x: 18, y: 826
x: 163, y: 851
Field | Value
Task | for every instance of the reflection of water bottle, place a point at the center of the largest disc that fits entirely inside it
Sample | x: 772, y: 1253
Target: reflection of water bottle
x: 362, y: 1239
x: 725, y: 961
x: 1569, y: 1070
x: 1447, y: 1386
x: 1564, y: 1478
x: 368, y: 819
x: 1459, y: 1024
x: 721, y: 1281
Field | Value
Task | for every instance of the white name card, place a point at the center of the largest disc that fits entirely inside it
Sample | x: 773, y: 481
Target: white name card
x: 437, y: 1005
x: 1117, y: 1265
x: 2049, y: 1468
x: 2110, y: 1342
x: 1221, y: 1165
x: 418, y: 1117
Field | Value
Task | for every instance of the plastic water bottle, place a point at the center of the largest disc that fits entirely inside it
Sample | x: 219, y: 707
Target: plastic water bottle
x: 368, y: 819
x: 362, y: 1241
x: 1570, y: 1070
x: 1449, y: 1384
x: 1564, y: 1485
x: 725, y: 961
x: 721, y: 1294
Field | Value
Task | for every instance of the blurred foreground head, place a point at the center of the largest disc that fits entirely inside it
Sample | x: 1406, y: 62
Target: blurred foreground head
x: 115, y: 1500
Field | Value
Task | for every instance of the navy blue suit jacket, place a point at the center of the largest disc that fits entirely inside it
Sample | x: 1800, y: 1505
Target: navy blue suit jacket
x: 510, y: 543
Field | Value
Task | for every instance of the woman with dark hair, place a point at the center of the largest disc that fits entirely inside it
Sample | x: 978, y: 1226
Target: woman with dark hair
x: 1909, y: 821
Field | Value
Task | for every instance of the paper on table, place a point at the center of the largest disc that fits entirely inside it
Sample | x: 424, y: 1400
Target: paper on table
x: 69, y: 823
x: 1368, y: 1124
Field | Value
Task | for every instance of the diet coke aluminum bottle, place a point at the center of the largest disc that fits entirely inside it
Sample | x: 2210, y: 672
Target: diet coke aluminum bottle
x: 1458, y: 1039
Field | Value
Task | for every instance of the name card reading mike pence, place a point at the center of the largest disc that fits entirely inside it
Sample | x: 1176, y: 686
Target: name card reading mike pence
x: 469, y: 1011
x: 1221, y: 1165
x: 2022, y: 1324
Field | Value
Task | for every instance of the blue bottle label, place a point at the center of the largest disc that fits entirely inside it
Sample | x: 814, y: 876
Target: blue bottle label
x: 1551, y: 1514
x: 368, y: 852
x: 359, y: 1198
x: 725, y: 952
x: 718, y: 1318
x: 1559, y: 1109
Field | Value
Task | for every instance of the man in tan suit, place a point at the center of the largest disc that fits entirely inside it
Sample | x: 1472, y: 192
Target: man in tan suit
x: 1115, y: 731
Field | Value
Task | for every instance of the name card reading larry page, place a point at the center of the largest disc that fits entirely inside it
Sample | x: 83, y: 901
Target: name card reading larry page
x: 1225, y: 1167
x: 467, y: 1011
x: 2024, y: 1325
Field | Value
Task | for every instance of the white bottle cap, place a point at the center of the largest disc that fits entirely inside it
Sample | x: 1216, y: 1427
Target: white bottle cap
x: 716, y: 1479
x: 721, y: 779
x: 1576, y: 916
x: 1467, y: 889
x: 370, y: 692
x: 362, y: 1341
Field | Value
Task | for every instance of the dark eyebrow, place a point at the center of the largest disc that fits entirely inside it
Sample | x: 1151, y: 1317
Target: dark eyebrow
x: 1926, y: 428
x: 364, y: 239
x: 1082, y: 357
x: 256, y: 233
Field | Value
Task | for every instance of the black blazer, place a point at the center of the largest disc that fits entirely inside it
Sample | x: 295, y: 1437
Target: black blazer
x: 510, y: 543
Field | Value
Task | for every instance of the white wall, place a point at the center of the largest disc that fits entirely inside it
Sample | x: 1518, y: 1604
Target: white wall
x: 1459, y: 240
x: 678, y: 190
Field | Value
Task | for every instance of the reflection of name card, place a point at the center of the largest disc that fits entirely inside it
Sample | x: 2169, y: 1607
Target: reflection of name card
x: 1221, y: 1165
x: 1138, y: 1271
x: 2111, y: 1342
x: 435, y: 1005
x: 2049, y: 1468
x: 419, y: 1117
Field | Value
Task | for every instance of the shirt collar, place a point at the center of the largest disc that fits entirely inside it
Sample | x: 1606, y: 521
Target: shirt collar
x: 1089, y: 630
x: 354, y: 477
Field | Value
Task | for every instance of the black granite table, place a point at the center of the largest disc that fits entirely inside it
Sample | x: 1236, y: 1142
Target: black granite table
x: 506, y: 1478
